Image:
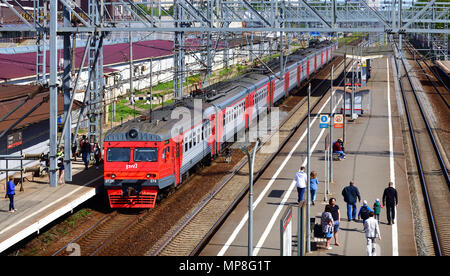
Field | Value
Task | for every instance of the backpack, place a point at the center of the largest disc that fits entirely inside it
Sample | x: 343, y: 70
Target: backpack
x: 364, y: 212
x: 318, y: 231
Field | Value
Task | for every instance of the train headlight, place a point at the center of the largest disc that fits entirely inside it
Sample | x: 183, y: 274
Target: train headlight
x: 133, y: 133
x: 148, y: 175
x: 113, y: 176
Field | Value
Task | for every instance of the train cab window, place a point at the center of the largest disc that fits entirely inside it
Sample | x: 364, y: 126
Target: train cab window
x: 145, y: 154
x: 118, y: 155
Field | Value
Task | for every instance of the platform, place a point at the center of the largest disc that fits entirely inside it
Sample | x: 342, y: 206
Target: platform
x: 444, y: 65
x: 372, y: 141
x: 39, y: 204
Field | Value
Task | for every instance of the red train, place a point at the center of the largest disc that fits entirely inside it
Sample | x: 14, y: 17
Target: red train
x: 146, y: 158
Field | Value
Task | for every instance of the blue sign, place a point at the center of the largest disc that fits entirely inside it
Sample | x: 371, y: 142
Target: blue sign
x: 314, y: 33
x: 324, y: 121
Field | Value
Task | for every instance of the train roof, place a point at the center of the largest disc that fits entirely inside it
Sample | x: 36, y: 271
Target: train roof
x: 162, y: 124
x: 215, y: 97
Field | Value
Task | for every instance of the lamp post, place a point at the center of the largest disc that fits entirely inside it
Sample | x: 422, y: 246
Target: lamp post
x: 251, y: 161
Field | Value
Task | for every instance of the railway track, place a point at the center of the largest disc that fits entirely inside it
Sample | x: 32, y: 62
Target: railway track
x: 101, y: 234
x: 431, y: 168
x: 194, y: 231
x: 117, y: 233
x: 430, y: 73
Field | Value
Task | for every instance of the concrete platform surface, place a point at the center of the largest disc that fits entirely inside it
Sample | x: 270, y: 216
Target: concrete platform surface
x: 39, y: 204
x: 375, y: 156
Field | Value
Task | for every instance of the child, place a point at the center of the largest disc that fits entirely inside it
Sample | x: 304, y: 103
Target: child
x: 377, y: 209
x: 313, y: 183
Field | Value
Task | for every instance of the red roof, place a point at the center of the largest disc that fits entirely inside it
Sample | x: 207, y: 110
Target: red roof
x: 13, y: 95
x: 17, y: 66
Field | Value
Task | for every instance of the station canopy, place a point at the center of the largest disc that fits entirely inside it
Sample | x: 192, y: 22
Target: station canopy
x: 365, y: 52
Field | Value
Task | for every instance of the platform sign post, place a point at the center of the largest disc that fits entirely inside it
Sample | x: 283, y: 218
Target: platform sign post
x: 286, y: 233
x: 308, y: 171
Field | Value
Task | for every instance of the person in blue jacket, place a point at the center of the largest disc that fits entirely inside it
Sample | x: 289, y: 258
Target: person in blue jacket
x: 313, y: 183
x: 10, y: 191
x: 364, y: 211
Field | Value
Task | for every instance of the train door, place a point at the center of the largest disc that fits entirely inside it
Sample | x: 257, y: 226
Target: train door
x: 315, y: 63
x: 176, y: 157
x: 249, y: 108
x: 271, y: 92
x: 213, y: 135
x: 286, y: 84
x: 307, y: 69
x: 299, y: 75
x: 321, y: 58
x: 327, y: 55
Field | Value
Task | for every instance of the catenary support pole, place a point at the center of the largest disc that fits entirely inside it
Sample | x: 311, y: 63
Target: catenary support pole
x: 308, y: 171
x: 53, y: 84
x: 66, y: 82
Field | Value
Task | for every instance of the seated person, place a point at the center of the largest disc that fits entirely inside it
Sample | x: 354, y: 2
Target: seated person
x: 338, y: 148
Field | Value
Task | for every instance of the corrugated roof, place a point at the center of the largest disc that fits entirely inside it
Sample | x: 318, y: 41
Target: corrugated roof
x: 9, y: 102
x: 23, y: 65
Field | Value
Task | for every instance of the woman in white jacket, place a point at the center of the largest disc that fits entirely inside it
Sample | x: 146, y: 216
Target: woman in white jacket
x: 372, y: 230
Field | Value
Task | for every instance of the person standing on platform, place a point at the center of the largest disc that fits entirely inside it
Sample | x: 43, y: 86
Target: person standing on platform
x: 313, y: 185
x: 390, y: 200
x: 10, y: 191
x: 60, y: 162
x: 85, y: 152
x: 351, y: 194
x: 301, y: 178
x: 327, y: 225
x: 336, y: 214
x: 97, y: 155
x: 372, y: 230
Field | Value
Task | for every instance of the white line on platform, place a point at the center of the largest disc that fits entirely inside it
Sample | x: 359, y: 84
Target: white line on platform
x: 285, y: 198
x: 391, y: 162
x: 266, y: 189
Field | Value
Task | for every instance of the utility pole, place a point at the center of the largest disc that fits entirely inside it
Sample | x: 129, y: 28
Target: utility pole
x: 130, y: 39
x: 308, y: 171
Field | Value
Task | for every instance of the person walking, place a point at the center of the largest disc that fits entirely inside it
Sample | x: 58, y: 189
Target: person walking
x: 390, y: 200
x: 372, y: 230
x: 10, y: 191
x: 351, y: 194
x: 327, y: 225
x: 85, y: 152
x: 377, y: 209
x: 301, y: 178
x: 336, y: 214
x: 313, y: 185
x: 364, y: 211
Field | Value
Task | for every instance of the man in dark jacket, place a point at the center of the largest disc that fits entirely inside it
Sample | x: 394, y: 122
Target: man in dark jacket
x: 85, y: 152
x: 351, y: 194
x: 390, y: 200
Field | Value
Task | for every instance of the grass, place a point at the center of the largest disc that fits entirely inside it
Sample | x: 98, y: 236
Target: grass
x: 123, y: 111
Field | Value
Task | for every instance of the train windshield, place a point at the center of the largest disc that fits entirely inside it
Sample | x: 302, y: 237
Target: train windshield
x: 118, y: 155
x: 145, y: 154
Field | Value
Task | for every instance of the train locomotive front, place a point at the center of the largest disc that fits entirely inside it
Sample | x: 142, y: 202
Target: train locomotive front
x: 138, y: 165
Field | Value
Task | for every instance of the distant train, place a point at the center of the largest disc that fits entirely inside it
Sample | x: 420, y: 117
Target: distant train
x: 144, y: 159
